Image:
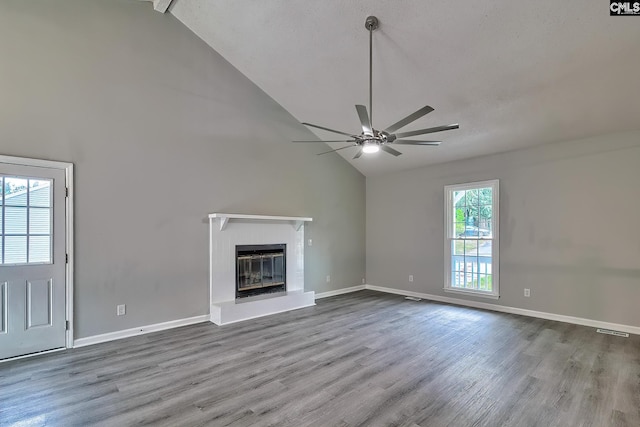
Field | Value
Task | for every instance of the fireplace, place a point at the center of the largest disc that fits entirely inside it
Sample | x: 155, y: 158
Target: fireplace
x: 260, y: 269
x: 226, y: 233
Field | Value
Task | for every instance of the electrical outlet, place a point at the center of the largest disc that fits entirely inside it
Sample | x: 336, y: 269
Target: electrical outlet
x: 121, y: 310
x: 310, y: 242
x: 411, y: 277
x: 363, y: 280
x: 328, y: 278
x: 527, y: 292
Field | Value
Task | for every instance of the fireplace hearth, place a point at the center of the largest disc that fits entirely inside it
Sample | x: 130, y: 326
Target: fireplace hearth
x: 260, y: 269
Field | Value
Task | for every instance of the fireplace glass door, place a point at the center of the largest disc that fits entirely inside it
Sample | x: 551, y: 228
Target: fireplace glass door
x: 249, y: 272
x: 260, y: 269
x: 272, y: 270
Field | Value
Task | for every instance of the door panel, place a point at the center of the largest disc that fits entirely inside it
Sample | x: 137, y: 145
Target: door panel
x: 32, y: 259
x: 39, y: 303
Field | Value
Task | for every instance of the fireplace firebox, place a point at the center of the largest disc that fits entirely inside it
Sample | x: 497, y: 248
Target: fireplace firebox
x: 260, y: 269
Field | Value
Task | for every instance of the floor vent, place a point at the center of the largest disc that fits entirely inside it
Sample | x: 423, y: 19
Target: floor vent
x: 610, y: 332
x: 413, y: 298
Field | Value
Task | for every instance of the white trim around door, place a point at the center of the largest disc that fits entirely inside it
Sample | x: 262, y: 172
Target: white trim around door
x: 68, y: 169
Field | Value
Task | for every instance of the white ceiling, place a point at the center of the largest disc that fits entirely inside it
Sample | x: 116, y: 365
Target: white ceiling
x: 511, y: 73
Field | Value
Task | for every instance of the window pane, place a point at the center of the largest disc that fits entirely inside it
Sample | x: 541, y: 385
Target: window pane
x: 484, y: 282
x: 457, y: 279
x: 1, y: 192
x: 39, y: 221
x: 40, y: 193
x: 15, y: 191
x: 458, y: 247
x: 484, y: 219
x: 484, y: 249
x: 472, y: 197
x: 15, y: 220
x: 484, y: 265
x: 468, y: 279
x: 471, y: 263
x: 489, y: 284
x: 470, y: 247
x: 486, y: 196
x: 40, y: 249
x: 15, y: 249
x: 457, y: 263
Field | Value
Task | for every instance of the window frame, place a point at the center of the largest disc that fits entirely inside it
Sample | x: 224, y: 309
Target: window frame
x: 450, y: 237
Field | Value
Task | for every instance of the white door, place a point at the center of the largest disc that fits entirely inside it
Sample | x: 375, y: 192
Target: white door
x: 32, y: 259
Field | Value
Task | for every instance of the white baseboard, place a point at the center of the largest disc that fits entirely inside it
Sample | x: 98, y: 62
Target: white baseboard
x: 340, y: 291
x: 512, y: 310
x: 126, y: 333
x: 96, y: 339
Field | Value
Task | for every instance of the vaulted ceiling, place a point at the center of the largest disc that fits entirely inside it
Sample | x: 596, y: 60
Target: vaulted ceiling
x: 512, y: 74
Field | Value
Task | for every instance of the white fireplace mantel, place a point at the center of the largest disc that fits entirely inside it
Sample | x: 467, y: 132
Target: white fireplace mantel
x: 224, y: 218
x: 254, y: 230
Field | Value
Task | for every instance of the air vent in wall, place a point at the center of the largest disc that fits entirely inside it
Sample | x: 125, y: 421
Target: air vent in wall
x: 610, y: 332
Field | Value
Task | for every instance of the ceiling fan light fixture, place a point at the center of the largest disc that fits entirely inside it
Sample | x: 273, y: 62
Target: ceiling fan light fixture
x: 370, y: 147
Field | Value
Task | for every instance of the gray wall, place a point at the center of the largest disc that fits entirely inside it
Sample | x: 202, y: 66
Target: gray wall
x: 162, y: 131
x: 569, y: 227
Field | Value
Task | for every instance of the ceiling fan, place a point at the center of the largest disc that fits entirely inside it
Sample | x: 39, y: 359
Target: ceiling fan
x: 371, y: 140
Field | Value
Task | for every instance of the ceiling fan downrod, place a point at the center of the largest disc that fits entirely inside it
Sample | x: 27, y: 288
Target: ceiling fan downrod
x: 371, y: 24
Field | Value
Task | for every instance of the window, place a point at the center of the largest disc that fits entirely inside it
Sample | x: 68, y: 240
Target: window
x: 25, y: 220
x: 471, y: 238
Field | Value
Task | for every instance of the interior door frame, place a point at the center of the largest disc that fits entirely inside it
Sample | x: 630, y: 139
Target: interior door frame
x: 68, y: 169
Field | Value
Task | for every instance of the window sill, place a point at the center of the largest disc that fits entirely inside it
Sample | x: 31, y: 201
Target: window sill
x: 472, y: 293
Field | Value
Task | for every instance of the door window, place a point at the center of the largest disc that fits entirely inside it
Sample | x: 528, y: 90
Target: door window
x: 26, y: 216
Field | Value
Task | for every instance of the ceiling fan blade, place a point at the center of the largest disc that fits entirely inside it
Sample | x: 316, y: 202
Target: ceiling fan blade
x: 364, y: 119
x: 410, y: 118
x: 424, y: 131
x: 409, y: 142
x: 337, y: 149
x: 330, y: 140
x: 358, y: 154
x: 327, y: 129
x: 389, y: 150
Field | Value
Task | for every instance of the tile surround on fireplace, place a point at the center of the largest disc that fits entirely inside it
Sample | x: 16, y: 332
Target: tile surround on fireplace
x: 226, y: 231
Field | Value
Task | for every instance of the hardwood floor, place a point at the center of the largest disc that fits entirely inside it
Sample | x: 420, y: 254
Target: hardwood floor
x: 361, y: 359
